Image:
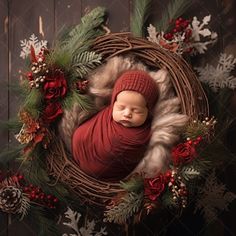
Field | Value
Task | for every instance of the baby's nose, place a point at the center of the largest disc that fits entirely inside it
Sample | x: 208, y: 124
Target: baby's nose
x: 127, y: 113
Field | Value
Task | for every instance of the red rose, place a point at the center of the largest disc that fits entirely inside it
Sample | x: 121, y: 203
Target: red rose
x: 55, y: 86
x: 51, y: 112
x: 183, y: 153
x: 153, y: 187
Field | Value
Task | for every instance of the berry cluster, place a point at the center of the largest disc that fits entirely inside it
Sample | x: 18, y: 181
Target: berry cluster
x: 35, y: 194
x: 179, y: 26
x: 39, y: 69
x: 178, y: 188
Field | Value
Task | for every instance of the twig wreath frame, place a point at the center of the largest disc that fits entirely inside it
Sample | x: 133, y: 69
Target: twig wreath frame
x: 187, y: 87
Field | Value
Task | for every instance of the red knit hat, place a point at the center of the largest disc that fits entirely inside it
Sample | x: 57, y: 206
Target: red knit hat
x: 138, y: 81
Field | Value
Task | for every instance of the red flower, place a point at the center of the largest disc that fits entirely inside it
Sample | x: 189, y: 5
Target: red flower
x: 183, y: 153
x: 153, y: 187
x: 55, y: 86
x: 51, y: 112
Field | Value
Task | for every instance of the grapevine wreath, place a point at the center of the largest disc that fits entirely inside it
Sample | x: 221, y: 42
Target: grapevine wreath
x: 68, y: 84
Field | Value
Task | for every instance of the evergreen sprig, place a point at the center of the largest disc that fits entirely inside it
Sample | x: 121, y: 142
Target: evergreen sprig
x: 33, y: 103
x: 129, y: 205
x: 189, y: 172
x: 10, y: 125
x: 10, y: 153
x: 84, y: 101
x: 174, y: 10
x: 134, y: 184
x: 43, y: 222
x: 85, y: 62
x: 142, y: 10
x: 78, y: 40
x: 167, y: 201
x: 35, y: 171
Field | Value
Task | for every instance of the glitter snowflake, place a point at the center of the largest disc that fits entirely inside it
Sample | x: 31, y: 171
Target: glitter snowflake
x: 34, y: 41
x: 87, y: 230
x: 219, y: 76
x: 213, y: 198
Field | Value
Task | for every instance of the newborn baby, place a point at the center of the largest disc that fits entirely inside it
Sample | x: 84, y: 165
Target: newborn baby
x: 110, y: 144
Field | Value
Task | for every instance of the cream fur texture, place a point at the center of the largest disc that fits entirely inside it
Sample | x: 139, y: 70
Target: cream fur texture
x: 166, y: 123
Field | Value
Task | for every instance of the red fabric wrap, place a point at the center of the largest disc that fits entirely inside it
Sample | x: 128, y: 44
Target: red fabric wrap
x: 104, y: 148
x: 107, y: 150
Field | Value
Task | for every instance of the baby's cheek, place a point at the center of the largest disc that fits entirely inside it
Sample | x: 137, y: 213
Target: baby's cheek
x: 115, y: 115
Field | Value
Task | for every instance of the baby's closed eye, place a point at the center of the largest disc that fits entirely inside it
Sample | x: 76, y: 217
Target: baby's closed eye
x: 120, y: 107
x: 138, y: 111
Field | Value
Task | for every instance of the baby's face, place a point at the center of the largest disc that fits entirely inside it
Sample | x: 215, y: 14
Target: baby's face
x: 130, y: 109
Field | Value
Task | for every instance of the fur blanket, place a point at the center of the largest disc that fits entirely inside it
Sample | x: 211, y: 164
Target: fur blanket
x: 167, y: 120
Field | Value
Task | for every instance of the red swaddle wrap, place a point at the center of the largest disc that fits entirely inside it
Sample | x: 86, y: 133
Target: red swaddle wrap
x: 106, y: 149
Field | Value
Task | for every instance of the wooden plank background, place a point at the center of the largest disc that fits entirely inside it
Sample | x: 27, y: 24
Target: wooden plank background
x: 19, y: 19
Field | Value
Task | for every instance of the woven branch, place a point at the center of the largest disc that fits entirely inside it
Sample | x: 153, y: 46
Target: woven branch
x: 187, y: 87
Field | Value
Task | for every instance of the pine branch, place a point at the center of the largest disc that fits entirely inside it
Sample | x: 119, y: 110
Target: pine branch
x: 142, y: 10
x: 167, y: 200
x: 25, y: 205
x: 11, y: 125
x: 9, y: 154
x: 85, y: 62
x: 189, y: 172
x: 84, y: 101
x: 35, y: 171
x: 128, y: 206
x: 43, y: 223
x: 174, y: 10
x: 79, y: 38
x: 33, y: 103
x: 134, y: 184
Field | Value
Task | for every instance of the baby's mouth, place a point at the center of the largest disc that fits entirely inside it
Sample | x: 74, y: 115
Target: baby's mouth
x: 125, y: 122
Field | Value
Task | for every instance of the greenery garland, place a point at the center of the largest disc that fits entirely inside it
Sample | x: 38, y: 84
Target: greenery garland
x: 69, y: 62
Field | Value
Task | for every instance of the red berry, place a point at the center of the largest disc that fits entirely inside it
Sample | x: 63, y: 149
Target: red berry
x: 178, y: 28
x: 199, y: 138
x: 26, y: 189
x: 55, y: 200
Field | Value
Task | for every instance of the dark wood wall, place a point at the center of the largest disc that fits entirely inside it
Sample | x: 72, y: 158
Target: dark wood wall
x: 20, y: 18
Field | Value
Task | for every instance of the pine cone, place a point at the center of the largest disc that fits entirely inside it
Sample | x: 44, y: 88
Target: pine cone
x: 10, y: 199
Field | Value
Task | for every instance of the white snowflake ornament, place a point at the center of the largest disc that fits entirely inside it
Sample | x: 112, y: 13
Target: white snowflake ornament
x: 87, y: 230
x: 201, y: 35
x: 33, y: 41
x: 219, y: 77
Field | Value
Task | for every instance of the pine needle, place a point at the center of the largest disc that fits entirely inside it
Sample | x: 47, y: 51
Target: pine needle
x: 120, y: 213
x: 189, y: 173
x: 174, y: 10
x: 85, y: 62
x: 10, y: 125
x: 84, y: 101
x: 9, y: 154
x: 79, y: 38
x: 142, y: 10
x: 33, y: 102
x: 135, y: 184
x: 42, y: 222
x: 35, y: 171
